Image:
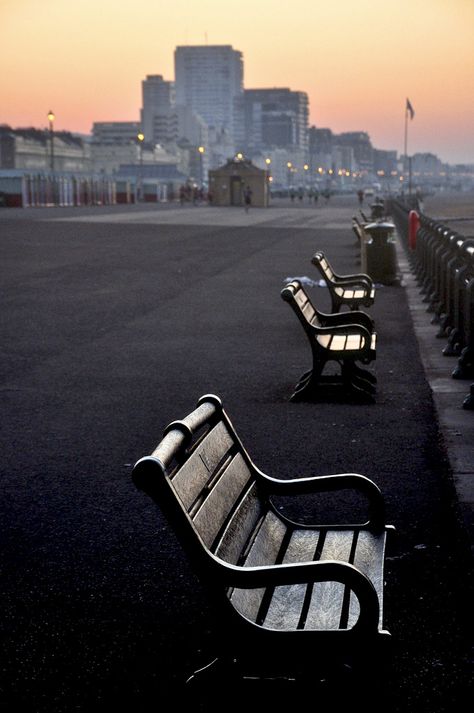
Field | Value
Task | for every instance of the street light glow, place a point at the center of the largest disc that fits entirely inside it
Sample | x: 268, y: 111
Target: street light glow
x: 141, y: 137
x: 201, y: 149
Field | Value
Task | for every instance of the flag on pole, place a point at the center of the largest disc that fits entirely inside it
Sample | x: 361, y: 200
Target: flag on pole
x: 410, y: 109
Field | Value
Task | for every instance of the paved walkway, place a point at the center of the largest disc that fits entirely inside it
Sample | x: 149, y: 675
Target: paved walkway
x: 457, y: 424
x: 113, y: 324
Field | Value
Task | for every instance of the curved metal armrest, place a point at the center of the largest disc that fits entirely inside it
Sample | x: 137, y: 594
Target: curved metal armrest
x: 353, y: 281
x: 347, y: 318
x: 305, y: 572
x: 330, y: 483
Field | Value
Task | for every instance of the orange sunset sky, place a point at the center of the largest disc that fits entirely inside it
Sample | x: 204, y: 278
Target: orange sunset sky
x: 358, y: 60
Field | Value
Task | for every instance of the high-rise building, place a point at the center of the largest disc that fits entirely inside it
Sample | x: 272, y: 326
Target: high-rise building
x: 209, y: 80
x: 275, y: 117
x: 158, y: 101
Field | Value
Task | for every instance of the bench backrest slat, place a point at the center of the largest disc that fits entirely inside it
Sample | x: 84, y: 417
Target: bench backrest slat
x: 240, y: 528
x: 218, y: 504
x: 302, y: 300
x: 217, y: 489
x: 326, y: 268
x: 198, y: 471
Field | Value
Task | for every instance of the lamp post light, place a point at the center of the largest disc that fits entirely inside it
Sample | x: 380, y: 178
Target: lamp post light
x: 140, y: 139
x: 201, y: 150
x: 268, y: 162
x: 51, y: 119
x: 289, y: 166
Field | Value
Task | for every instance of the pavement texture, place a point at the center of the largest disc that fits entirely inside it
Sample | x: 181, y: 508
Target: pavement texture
x: 114, y: 322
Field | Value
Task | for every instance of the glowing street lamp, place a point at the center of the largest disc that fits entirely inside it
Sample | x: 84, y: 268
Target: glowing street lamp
x: 289, y: 166
x: 201, y: 150
x: 51, y: 119
x: 268, y: 162
x: 141, y: 139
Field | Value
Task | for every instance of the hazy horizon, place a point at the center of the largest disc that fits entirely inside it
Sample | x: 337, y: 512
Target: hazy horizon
x: 357, y: 61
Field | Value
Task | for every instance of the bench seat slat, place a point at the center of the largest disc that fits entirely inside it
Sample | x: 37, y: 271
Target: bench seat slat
x: 344, y: 342
x: 369, y: 558
x: 263, y: 551
x: 353, y: 294
x: 326, y: 602
x: 284, y: 611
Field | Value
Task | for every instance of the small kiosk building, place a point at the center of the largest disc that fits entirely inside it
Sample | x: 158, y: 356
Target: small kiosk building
x: 228, y: 184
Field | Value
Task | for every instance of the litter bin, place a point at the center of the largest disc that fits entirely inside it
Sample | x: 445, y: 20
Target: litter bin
x: 380, y: 252
x: 377, y: 210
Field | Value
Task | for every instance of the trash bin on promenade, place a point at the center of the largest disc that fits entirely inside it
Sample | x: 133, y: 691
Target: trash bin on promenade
x: 378, y: 253
x: 377, y: 210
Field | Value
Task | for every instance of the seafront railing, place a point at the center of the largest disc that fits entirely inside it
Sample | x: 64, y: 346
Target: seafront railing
x: 442, y: 261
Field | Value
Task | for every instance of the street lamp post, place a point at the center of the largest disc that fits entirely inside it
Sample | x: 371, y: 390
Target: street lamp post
x: 141, y: 139
x: 289, y: 166
x: 51, y: 119
x: 201, y: 150
x: 268, y: 163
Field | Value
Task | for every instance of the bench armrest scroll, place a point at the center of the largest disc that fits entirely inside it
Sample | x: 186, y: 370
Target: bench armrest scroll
x: 309, y: 572
x: 347, y: 318
x: 331, y: 483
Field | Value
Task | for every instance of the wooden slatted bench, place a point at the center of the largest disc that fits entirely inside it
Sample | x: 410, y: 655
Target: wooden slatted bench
x: 288, y: 596
x: 345, y: 290
x: 358, y: 229
x: 344, y: 338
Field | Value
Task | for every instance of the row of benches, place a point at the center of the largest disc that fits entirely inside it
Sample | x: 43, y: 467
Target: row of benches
x: 293, y: 600
x: 343, y: 338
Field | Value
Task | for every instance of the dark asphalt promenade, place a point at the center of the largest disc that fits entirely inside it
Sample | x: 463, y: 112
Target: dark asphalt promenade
x: 111, y: 327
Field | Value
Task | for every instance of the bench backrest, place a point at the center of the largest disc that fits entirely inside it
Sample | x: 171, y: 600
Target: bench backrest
x: 204, y: 481
x: 299, y: 300
x: 320, y: 261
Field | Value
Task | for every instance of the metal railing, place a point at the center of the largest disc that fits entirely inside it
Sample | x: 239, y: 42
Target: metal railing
x: 442, y: 261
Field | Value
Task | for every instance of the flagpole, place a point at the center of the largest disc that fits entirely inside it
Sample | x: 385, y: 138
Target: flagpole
x: 406, y: 139
x: 406, y: 136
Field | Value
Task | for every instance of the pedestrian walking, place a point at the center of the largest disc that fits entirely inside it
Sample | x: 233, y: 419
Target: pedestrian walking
x: 247, y: 198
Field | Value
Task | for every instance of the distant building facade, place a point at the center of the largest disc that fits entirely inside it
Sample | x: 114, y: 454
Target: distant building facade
x: 385, y: 162
x: 209, y: 81
x: 115, y: 132
x: 31, y: 149
x: 158, y: 119
x: 359, y: 142
x: 276, y: 117
x: 320, y: 148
